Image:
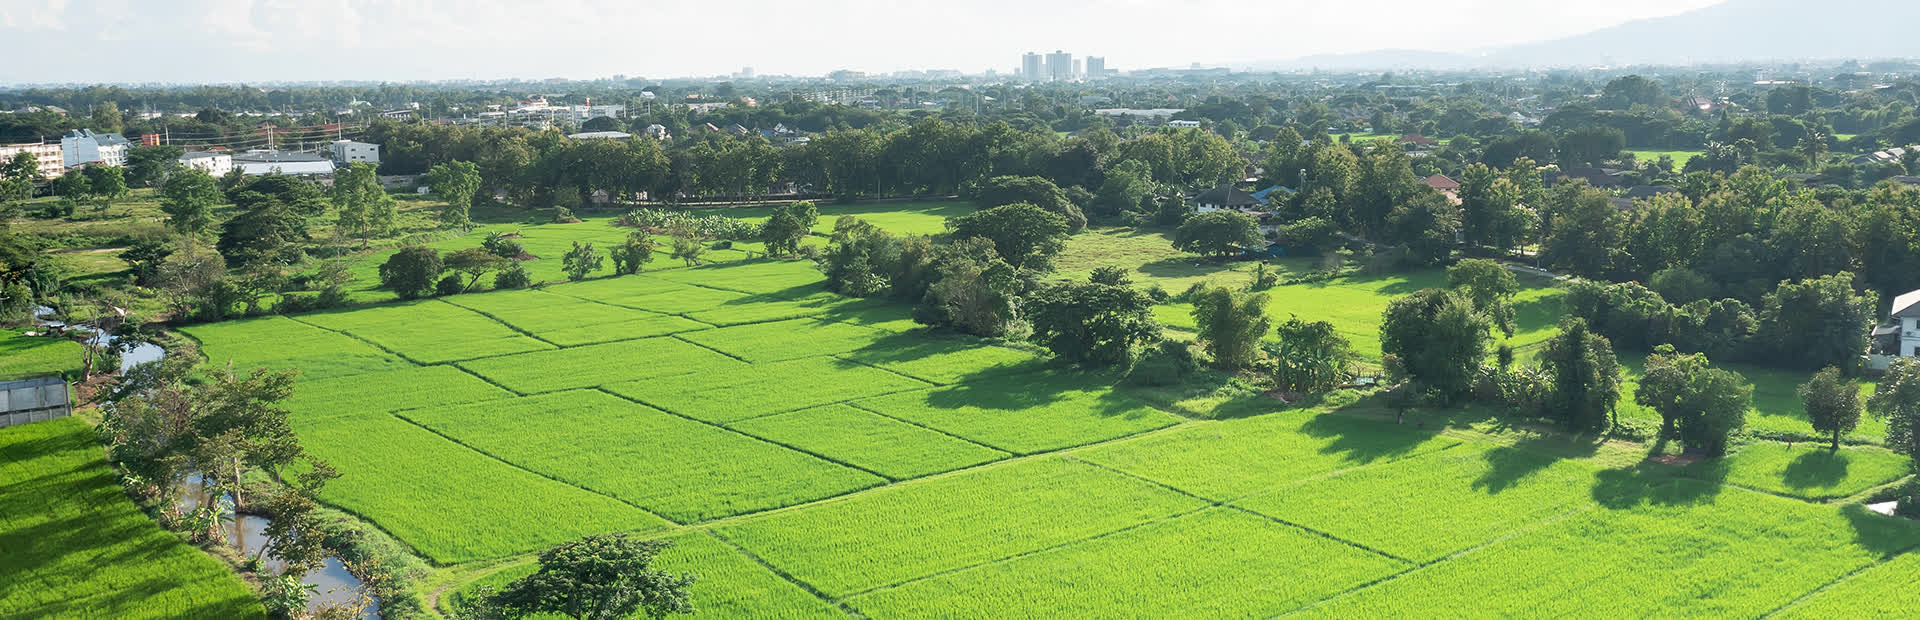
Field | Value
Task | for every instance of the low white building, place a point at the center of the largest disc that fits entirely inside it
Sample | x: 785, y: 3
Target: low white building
x: 256, y: 163
x: 1184, y: 124
x: 216, y: 164
x: 348, y: 152
x: 83, y: 146
x: 601, y: 135
x: 52, y: 162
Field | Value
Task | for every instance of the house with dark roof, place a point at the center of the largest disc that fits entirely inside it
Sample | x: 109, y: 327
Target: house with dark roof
x: 1418, y: 140
x: 1224, y: 197
x: 1597, y: 177
x: 1909, y: 181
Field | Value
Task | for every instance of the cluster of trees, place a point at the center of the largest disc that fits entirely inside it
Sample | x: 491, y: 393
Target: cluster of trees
x: 1721, y: 236
x: 1805, y: 324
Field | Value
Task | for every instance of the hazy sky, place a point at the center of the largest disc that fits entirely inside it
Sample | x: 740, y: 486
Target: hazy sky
x: 238, y: 40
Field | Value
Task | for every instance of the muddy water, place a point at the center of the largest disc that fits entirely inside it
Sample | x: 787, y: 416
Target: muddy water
x: 141, y: 353
x: 247, y: 534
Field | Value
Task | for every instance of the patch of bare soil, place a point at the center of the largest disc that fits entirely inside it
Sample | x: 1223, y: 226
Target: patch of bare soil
x: 1676, y: 460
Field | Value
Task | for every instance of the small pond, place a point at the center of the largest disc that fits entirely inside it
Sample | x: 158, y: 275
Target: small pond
x: 247, y: 534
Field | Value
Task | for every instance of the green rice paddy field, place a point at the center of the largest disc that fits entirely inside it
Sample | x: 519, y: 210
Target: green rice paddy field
x: 74, y: 546
x: 816, y: 456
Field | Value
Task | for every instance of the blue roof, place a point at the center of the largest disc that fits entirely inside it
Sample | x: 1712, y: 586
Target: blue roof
x: 1262, y: 194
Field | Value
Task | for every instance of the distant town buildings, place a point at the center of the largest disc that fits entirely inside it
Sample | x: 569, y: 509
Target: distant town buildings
x: 216, y: 164
x: 1096, y: 67
x: 1060, y: 66
x: 348, y: 152
x: 52, y: 162
x: 83, y: 146
x: 1032, y: 67
x: 603, y: 135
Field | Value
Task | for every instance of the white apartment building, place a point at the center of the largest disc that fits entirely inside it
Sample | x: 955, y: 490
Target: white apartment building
x: 348, y: 152
x: 83, y: 146
x: 216, y: 164
x: 52, y: 162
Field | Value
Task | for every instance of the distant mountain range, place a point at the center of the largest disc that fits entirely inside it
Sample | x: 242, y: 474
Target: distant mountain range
x: 1738, y: 30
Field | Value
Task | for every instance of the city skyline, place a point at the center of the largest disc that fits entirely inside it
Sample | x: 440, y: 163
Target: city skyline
x: 261, y: 40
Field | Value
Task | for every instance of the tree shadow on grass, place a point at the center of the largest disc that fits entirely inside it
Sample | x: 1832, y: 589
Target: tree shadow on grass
x: 1510, y: 464
x: 1658, y: 484
x: 1363, y: 441
x: 1816, y: 468
x: 1039, y: 385
x: 1881, y: 534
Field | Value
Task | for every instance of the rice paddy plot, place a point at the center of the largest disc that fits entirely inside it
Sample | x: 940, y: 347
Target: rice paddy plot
x: 877, y: 443
x: 1649, y: 550
x: 945, y: 361
x: 927, y: 526
x: 1228, y: 460
x: 449, y: 502
x: 1805, y: 470
x: 76, y: 547
x: 786, y: 340
x: 646, y: 293
x: 416, y: 386
x: 757, y: 309
x: 1429, y: 506
x: 747, y: 391
x: 600, y: 364
x: 1033, y: 413
x: 769, y: 278
x: 730, y: 584
x: 571, y: 321
x: 1219, y: 563
x: 429, y: 332
x: 678, y: 468
x: 280, y: 342
x: 1890, y: 590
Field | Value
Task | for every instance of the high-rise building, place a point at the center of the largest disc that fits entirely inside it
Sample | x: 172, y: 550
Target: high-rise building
x: 1030, y: 67
x: 1096, y: 67
x: 1078, y: 71
x: 1059, y: 66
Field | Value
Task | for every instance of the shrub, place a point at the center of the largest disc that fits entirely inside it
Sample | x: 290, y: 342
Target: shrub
x: 513, y: 277
x: 411, y: 272
x: 1167, y: 363
x: 450, y: 285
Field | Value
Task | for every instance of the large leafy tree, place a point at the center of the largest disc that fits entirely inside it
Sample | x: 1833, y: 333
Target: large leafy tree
x: 150, y: 166
x: 456, y: 182
x: 1440, y: 340
x: 1896, y: 400
x: 1818, y: 322
x: 1832, y: 402
x: 1427, y: 226
x: 1230, y: 325
x: 1666, y: 384
x: 1101, y: 321
x: 1585, y: 376
x: 366, y: 211
x: 1217, y: 233
x: 1490, y: 286
x: 1717, y: 409
x: 1311, y: 356
x: 1023, y: 235
x: 188, y: 199
x: 787, y: 226
x: 475, y: 263
x: 267, y: 231
x: 1036, y: 191
x: 609, y: 576
x: 1585, y: 234
x: 412, y: 271
x: 971, y: 289
x: 106, y: 184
